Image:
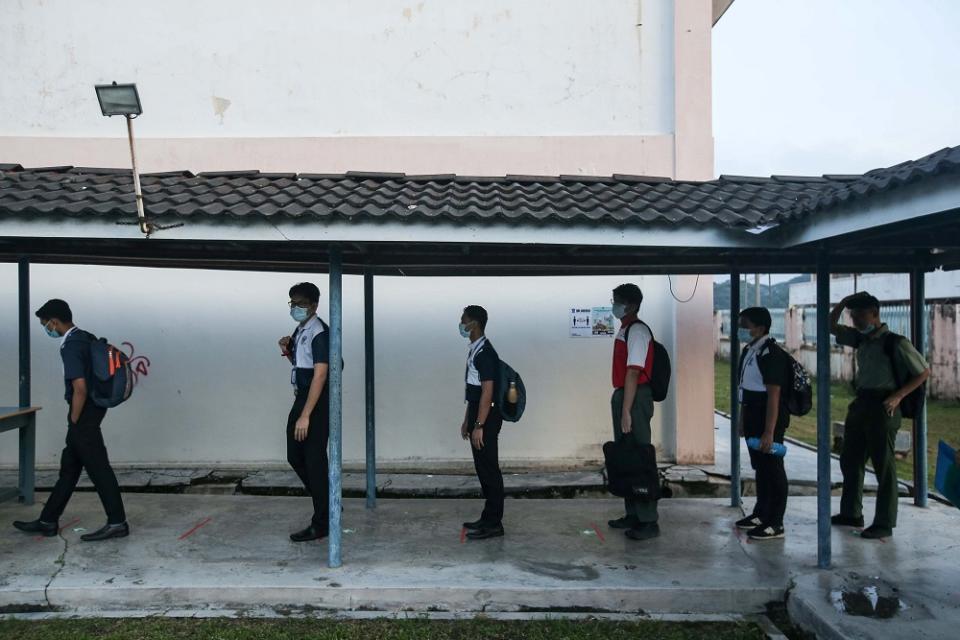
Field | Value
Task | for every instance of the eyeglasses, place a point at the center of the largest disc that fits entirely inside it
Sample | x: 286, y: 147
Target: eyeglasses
x: 299, y: 303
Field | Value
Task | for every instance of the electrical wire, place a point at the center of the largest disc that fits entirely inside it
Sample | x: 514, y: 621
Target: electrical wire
x: 695, y: 285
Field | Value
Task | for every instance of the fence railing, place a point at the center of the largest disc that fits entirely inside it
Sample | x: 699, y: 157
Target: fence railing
x: 897, y: 318
x: 778, y: 329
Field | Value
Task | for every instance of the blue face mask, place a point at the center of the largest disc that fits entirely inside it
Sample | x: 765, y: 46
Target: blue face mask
x: 619, y: 310
x: 743, y: 335
x: 299, y: 314
x: 53, y: 333
x: 464, y: 332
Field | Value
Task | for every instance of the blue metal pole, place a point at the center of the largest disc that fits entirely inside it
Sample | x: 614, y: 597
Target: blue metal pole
x: 370, y: 388
x: 734, y: 386
x: 23, y: 274
x: 823, y: 413
x: 918, y: 325
x: 27, y: 435
x: 335, y: 446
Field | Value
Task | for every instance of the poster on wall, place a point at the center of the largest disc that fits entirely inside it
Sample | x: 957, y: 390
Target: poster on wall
x: 591, y: 322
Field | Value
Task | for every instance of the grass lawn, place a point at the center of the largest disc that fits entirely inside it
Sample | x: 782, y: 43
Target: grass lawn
x: 943, y: 419
x: 299, y: 629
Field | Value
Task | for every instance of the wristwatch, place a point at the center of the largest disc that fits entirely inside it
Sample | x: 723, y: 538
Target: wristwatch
x: 477, y: 425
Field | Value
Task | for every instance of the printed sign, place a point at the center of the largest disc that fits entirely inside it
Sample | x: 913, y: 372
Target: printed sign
x: 592, y: 322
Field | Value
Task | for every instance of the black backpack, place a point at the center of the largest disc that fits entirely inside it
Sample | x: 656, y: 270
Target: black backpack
x: 912, y: 405
x: 799, y: 397
x: 111, y: 378
x: 511, y: 412
x: 630, y: 471
x: 660, y: 380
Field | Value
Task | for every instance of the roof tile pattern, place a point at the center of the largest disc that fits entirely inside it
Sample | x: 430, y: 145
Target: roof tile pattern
x: 729, y: 201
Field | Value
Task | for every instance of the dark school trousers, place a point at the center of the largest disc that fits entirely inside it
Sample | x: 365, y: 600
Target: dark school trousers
x: 641, y: 413
x: 487, y: 463
x: 869, y: 432
x: 85, y: 450
x: 771, y: 477
x: 309, y: 457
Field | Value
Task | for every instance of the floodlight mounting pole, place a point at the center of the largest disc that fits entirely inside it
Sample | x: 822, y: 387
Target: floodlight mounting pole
x: 145, y: 226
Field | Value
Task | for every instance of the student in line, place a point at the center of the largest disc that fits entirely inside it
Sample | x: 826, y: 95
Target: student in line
x: 765, y: 377
x: 308, y: 423
x: 632, y: 401
x: 482, y: 421
x: 85, y: 448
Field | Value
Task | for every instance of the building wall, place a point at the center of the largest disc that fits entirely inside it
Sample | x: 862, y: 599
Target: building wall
x: 887, y: 287
x: 542, y: 87
x: 217, y: 391
x: 558, y: 86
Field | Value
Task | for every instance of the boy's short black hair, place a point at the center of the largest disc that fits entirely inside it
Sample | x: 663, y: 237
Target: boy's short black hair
x: 863, y: 301
x: 629, y: 293
x: 307, y: 290
x: 758, y: 317
x: 476, y: 313
x: 55, y: 309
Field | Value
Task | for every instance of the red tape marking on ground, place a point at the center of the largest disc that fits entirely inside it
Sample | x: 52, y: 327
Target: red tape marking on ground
x: 190, y: 533
x: 463, y: 534
x: 597, y: 529
x: 61, y: 529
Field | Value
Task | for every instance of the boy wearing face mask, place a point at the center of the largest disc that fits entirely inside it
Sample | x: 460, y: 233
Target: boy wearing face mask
x: 765, y: 375
x: 84, y: 446
x: 308, y: 424
x: 873, y: 418
x: 632, y: 401
x: 482, y: 422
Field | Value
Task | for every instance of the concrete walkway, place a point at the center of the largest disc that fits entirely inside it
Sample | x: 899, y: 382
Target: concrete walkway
x: 195, y: 553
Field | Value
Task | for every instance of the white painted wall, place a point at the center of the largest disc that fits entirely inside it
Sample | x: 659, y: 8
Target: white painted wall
x: 305, y: 68
x: 503, y: 86
x: 218, y: 391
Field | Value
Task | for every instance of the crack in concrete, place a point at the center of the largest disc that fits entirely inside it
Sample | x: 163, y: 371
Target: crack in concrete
x: 62, y: 562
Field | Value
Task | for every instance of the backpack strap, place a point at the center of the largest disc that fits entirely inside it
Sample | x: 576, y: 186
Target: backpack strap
x: 890, y: 342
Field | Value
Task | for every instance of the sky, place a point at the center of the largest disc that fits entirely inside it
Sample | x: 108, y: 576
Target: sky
x: 807, y: 87
x: 834, y: 86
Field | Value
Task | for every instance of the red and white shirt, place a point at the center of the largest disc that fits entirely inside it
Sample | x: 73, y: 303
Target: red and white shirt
x: 632, y: 352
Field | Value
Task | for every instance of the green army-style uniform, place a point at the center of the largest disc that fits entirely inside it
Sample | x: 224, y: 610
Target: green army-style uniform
x: 868, y: 430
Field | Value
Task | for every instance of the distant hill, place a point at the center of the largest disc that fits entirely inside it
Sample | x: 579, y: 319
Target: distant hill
x: 777, y: 297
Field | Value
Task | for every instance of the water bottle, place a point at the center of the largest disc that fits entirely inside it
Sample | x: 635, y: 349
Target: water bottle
x: 510, y: 407
x: 778, y: 449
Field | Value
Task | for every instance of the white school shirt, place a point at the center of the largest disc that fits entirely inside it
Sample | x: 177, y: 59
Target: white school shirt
x: 303, y: 346
x: 473, y: 376
x: 750, y: 377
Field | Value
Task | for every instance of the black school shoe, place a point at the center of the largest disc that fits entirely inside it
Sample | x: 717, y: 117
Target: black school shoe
x: 476, y: 525
x: 486, y: 531
x: 876, y: 532
x: 312, y: 532
x: 841, y: 520
x: 626, y: 522
x: 46, y: 529
x: 766, y: 532
x: 643, y: 531
x: 749, y: 523
x: 106, y: 532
